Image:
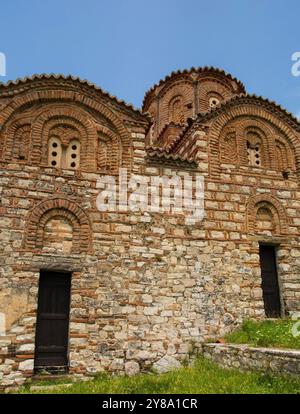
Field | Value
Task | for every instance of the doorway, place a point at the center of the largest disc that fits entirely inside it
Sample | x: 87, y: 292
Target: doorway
x: 52, y: 330
x: 270, y: 285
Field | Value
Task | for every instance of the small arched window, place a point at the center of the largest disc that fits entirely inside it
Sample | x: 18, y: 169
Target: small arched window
x: 73, y: 155
x: 254, y: 148
x: 213, y: 99
x: 63, y: 156
x: 213, y: 102
x: 254, y: 154
x: 55, y: 152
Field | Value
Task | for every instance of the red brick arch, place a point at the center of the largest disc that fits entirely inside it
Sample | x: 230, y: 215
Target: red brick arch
x: 171, y: 87
x: 273, y: 205
x: 116, y: 148
x: 58, y: 207
x: 71, y: 116
x: 182, y: 88
x: 256, y: 113
x: 9, y: 143
x: 240, y: 125
x: 213, y: 87
x: 78, y: 102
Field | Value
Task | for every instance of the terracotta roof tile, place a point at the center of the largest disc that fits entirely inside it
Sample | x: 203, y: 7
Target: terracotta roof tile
x: 5, y: 88
x: 160, y: 153
x: 242, y: 98
x: 203, y: 69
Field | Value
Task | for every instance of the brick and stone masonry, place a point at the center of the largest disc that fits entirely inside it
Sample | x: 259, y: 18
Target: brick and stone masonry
x: 146, y: 288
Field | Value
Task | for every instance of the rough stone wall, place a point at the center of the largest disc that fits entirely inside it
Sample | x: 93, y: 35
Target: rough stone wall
x: 243, y: 357
x: 17, y: 352
x: 152, y: 286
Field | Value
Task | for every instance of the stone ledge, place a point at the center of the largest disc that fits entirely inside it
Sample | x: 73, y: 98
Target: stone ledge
x: 245, y: 357
x: 274, y: 351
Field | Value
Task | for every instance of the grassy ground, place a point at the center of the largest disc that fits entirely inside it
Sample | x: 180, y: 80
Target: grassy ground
x: 270, y: 333
x: 204, y: 377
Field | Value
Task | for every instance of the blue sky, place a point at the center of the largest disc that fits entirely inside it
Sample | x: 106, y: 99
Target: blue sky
x: 125, y: 46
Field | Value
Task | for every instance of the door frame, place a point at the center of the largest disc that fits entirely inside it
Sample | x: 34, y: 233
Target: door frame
x: 69, y: 273
x: 276, y: 246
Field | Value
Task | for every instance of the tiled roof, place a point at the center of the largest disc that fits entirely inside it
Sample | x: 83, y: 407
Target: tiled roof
x: 9, y: 88
x: 246, y: 98
x: 162, y: 154
x: 237, y: 99
x: 204, y: 69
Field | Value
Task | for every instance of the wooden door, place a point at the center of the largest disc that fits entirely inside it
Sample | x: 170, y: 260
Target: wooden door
x: 270, y: 284
x: 52, y: 331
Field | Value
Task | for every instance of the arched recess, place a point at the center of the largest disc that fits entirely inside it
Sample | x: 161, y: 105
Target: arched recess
x: 258, y: 132
x: 109, y: 150
x: 181, y: 91
x: 284, y: 155
x: 58, y: 208
x: 58, y: 231
x: 265, y: 203
x: 249, y: 133
x: 212, y: 88
x: 78, y: 102
x: 16, y: 138
x: 252, y: 115
x: 175, y: 110
x: 238, y: 133
x: 71, y: 118
x: 228, y: 146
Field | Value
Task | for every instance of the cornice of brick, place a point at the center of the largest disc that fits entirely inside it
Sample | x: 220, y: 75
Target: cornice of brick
x: 182, y: 74
x: 22, y: 85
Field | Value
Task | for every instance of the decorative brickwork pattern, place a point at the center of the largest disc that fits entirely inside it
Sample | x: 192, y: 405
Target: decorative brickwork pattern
x: 58, y: 208
x: 66, y: 115
x: 185, y: 94
x: 271, y: 204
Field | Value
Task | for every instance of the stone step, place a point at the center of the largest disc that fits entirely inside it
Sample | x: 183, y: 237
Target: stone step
x: 50, y: 377
x: 45, y: 388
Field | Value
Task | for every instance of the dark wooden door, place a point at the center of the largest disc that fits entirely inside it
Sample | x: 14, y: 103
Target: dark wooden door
x: 51, y: 344
x: 269, y: 277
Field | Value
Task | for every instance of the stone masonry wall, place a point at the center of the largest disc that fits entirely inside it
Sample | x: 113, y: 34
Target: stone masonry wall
x: 274, y: 361
x: 151, y: 286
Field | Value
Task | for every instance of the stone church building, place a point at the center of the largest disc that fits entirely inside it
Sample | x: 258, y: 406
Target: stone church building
x: 84, y: 290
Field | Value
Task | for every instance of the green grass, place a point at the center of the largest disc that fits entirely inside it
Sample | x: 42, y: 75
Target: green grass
x: 267, y: 333
x: 204, y: 377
